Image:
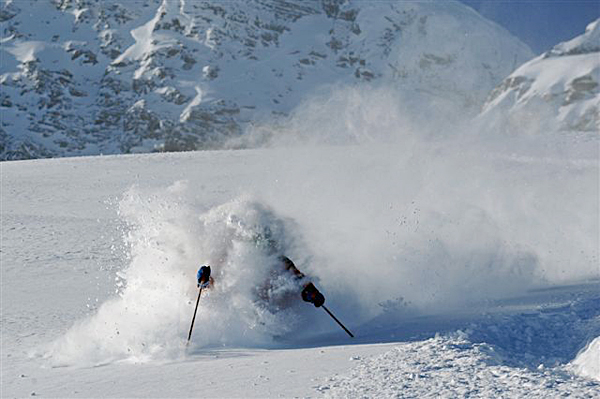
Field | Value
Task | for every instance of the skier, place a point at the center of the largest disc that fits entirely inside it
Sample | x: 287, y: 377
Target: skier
x: 309, y: 292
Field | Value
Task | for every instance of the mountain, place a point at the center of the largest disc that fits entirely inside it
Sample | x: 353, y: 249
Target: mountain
x: 84, y: 77
x: 557, y: 90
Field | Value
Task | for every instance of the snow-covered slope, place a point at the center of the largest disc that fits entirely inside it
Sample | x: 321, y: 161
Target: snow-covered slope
x: 462, y: 268
x: 559, y: 90
x: 90, y: 77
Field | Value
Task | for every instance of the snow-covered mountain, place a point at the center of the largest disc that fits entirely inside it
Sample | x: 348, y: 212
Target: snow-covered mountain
x: 88, y: 77
x: 559, y: 90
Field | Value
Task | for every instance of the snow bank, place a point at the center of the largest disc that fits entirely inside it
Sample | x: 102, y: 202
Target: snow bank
x: 587, y: 362
x: 448, y: 366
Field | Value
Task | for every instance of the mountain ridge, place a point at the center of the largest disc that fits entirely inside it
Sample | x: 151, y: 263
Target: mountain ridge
x: 111, y: 77
x: 558, y: 90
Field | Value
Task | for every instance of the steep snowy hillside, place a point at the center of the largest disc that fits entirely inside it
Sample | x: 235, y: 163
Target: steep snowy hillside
x: 559, y: 90
x: 89, y: 77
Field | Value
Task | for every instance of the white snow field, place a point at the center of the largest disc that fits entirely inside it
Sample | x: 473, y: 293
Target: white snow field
x: 465, y: 266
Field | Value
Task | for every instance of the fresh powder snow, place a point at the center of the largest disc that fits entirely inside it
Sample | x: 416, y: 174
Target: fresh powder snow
x: 467, y: 274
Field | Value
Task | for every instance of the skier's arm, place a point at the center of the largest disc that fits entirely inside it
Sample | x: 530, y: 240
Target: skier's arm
x: 310, y: 293
x: 289, y: 266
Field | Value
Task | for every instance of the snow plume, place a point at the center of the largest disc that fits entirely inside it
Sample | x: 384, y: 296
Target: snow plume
x: 313, y: 123
x: 169, y: 238
x: 356, y: 115
x: 388, y: 216
x: 432, y: 216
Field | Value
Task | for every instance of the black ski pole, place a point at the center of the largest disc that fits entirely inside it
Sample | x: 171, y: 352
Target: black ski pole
x: 194, y: 318
x: 339, y: 322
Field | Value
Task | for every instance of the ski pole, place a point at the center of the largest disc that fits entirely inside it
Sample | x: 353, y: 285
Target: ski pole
x: 194, y: 318
x: 339, y: 322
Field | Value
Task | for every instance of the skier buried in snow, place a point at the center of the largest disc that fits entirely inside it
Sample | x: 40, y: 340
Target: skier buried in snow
x: 309, y: 292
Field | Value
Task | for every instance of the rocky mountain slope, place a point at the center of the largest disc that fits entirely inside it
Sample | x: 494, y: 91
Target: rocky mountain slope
x: 560, y: 89
x: 83, y: 77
